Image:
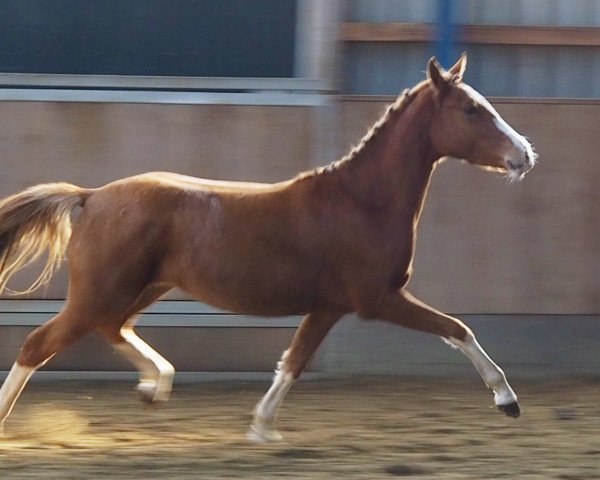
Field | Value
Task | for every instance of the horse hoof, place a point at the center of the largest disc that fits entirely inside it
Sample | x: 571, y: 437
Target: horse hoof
x: 263, y: 434
x: 149, y: 395
x: 511, y: 409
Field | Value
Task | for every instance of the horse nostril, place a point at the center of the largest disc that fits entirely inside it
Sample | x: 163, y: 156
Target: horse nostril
x: 511, y: 165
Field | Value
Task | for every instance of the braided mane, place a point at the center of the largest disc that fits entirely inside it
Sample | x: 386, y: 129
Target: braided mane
x: 393, y: 110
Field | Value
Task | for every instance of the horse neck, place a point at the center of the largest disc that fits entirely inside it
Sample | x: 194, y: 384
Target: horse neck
x: 392, y: 170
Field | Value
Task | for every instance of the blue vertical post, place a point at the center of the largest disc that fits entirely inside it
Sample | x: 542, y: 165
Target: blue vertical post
x: 445, y: 33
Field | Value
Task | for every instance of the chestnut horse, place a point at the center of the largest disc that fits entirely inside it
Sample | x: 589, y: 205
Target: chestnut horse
x: 330, y: 242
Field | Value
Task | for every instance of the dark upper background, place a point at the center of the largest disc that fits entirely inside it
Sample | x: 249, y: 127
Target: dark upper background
x: 206, y: 38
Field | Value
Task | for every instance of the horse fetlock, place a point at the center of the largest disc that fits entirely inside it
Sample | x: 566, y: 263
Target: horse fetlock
x: 504, y: 395
x: 261, y: 431
x: 146, y: 391
x: 153, y: 392
x: 506, y: 400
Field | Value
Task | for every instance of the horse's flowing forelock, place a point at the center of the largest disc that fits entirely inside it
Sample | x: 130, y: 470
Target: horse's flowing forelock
x: 31, y: 222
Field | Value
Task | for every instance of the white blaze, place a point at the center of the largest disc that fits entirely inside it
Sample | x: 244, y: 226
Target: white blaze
x: 520, y: 144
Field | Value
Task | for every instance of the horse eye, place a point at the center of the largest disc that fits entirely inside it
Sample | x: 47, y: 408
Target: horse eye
x: 471, y: 109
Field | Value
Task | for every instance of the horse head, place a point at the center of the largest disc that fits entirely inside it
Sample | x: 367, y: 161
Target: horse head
x: 466, y: 126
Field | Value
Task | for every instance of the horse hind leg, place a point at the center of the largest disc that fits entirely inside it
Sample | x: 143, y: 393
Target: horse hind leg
x: 39, y: 347
x: 11, y: 389
x: 313, y: 329
x: 156, y: 377
x: 156, y: 373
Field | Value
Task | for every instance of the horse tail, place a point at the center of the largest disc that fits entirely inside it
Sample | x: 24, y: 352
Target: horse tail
x: 32, y: 221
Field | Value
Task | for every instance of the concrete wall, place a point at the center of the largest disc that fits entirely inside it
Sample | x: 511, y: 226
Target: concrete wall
x: 491, y: 12
x: 552, y: 70
x: 374, y: 68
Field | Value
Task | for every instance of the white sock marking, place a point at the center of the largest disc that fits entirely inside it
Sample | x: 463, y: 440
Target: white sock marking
x: 12, y: 388
x: 156, y: 373
x: 492, y: 374
x: 263, y: 426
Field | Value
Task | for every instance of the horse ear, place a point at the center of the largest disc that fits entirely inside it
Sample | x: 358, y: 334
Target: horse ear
x: 435, y: 74
x: 458, y: 69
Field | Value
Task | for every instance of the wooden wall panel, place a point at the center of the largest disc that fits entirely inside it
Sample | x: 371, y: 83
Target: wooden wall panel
x: 484, y: 246
x: 94, y: 143
x: 91, y: 144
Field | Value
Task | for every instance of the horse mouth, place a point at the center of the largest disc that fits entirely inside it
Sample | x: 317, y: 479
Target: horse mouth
x: 516, y: 171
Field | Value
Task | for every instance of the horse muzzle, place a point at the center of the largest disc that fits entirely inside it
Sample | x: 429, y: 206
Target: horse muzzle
x: 518, y: 165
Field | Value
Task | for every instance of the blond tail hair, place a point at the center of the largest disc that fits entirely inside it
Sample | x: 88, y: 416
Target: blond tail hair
x: 33, y: 221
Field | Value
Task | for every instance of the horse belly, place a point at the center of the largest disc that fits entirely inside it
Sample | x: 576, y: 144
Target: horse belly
x: 255, y: 284
x: 252, y: 295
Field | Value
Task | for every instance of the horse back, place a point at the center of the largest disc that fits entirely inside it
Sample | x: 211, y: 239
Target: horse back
x: 239, y: 246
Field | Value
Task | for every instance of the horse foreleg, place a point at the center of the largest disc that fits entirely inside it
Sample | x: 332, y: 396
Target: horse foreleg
x: 403, y: 309
x: 40, y: 345
x: 313, y: 329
